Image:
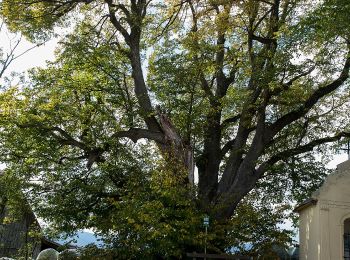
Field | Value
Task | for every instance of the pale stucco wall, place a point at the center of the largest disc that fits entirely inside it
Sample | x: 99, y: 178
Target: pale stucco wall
x: 309, y: 233
x: 322, y: 225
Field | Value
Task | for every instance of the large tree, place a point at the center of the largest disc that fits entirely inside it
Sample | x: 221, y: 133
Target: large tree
x: 235, y: 88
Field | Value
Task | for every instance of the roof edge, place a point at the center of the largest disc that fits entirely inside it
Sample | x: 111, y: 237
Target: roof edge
x: 305, y: 204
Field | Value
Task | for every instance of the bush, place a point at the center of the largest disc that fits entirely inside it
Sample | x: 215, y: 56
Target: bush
x: 69, y: 254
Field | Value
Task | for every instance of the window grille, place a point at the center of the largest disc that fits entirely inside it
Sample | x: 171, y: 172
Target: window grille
x: 347, y: 246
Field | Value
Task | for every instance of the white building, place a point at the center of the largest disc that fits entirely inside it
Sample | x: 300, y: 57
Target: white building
x: 324, y: 220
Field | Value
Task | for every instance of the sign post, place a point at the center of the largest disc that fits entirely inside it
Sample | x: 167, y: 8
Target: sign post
x: 206, y: 225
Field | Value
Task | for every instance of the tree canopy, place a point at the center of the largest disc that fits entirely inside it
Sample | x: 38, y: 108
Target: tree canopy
x: 238, y: 90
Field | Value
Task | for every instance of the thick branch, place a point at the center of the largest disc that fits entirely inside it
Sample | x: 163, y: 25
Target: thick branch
x: 227, y: 147
x: 230, y: 120
x: 138, y: 133
x: 136, y: 13
x: 61, y: 135
x: 206, y: 88
x: 310, y: 102
x: 116, y: 23
x: 264, y: 40
x: 299, y: 150
x: 287, y: 85
x: 237, y: 167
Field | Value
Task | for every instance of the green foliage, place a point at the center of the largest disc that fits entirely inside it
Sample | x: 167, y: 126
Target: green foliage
x: 92, y: 252
x: 261, y: 230
x: 69, y: 254
x: 11, y: 197
x: 325, y: 23
x: 155, y: 217
x: 302, y: 176
x: 34, y: 19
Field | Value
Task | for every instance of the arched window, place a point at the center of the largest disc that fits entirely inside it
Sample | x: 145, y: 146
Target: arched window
x: 347, y: 239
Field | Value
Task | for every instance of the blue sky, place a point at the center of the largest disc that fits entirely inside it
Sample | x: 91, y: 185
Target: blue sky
x: 81, y: 239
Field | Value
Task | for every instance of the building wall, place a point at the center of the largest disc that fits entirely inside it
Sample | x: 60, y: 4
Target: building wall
x: 309, y: 233
x: 322, y: 225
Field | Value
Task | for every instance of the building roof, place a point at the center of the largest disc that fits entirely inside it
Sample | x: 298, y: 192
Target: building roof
x: 342, y: 169
x: 305, y: 204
